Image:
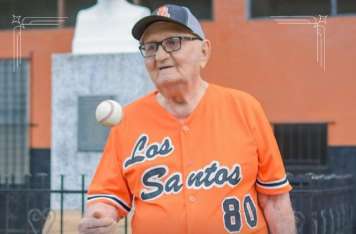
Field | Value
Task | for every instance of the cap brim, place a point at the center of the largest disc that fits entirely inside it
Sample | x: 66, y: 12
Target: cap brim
x: 140, y: 27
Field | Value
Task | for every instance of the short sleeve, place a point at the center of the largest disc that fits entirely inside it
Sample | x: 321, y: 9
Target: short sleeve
x: 109, y: 185
x: 271, y: 176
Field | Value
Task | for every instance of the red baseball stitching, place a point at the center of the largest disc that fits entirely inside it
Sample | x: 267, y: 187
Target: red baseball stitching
x: 110, y: 113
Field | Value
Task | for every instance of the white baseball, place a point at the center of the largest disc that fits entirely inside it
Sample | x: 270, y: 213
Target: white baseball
x: 108, y: 113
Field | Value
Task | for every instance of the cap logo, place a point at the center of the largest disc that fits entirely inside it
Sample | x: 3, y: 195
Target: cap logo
x: 163, y: 11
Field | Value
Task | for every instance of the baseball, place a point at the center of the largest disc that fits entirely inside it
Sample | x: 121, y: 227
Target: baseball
x: 108, y: 113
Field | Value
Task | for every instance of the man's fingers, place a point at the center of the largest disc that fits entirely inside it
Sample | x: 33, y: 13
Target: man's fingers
x: 99, y: 230
x: 103, y: 222
x: 99, y: 221
x: 92, y: 223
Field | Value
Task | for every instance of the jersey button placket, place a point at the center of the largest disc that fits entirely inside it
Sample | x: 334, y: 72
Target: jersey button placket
x: 186, y: 163
x: 186, y: 130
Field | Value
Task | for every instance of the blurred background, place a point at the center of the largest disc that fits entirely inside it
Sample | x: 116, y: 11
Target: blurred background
x: 297, y: 57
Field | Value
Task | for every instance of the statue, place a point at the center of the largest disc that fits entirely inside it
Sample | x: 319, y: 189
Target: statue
x: 106, y: 27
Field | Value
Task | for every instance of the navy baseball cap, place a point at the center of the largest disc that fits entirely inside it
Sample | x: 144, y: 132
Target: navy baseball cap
x: 169, y: 13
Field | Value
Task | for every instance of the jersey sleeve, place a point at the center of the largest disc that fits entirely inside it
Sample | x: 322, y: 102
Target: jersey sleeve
x: 109, y: 185
x: 271, y: 176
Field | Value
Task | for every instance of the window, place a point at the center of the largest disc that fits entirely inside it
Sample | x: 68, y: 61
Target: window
x: 91, y: 135
x: 33, y: 8
x: 201, y: 8
x: 266, y: 8
x: 14, y: 149
x: 302, y: 143
x: 70, y: 8
x: 346, y: 6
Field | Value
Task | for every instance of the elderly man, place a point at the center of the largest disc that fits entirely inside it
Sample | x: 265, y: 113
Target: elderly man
x: 190, y: 157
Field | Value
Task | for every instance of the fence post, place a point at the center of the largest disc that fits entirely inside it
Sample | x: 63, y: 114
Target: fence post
x: 12, y: 180
x: 62, y: 201
x: 6, y: 205
x: 125, y: 224
x: 83, y: 193
x: 28, y: 186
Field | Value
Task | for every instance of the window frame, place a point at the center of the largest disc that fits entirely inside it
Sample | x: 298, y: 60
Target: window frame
x: 333, y: 11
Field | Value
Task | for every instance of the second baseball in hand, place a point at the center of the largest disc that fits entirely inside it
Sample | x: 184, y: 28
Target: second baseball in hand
x: 108, y: 113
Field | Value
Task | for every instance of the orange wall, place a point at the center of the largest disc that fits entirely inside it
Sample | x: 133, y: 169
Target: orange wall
x: 276, y: 63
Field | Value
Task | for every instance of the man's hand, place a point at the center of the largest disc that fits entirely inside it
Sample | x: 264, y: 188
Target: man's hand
x: 100, y: 219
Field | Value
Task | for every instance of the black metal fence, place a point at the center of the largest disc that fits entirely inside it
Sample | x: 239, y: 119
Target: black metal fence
x: 323, y: 204
x: 26, y: 208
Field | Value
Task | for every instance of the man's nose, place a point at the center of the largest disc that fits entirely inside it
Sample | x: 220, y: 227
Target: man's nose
x: 161, y: 53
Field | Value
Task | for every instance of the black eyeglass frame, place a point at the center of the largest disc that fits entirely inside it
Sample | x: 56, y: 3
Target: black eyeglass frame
x: 161, y: 43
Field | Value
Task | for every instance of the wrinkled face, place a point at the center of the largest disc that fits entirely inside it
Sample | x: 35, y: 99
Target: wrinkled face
x: 177, y: 68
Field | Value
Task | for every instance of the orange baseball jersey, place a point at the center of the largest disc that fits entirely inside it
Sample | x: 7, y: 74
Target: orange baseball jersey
x: 200, y: 175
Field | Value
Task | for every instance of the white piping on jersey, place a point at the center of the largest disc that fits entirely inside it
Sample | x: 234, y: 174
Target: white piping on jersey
x: 275, y: 184
x: 116, y: 200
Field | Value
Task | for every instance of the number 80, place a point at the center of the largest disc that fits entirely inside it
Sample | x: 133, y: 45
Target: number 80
x: 232, y: 213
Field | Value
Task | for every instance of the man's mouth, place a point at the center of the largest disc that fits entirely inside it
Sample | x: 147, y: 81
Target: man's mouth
x: 165, y: 67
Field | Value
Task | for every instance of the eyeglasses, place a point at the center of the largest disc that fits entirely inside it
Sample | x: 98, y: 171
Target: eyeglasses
x: 169, y: 45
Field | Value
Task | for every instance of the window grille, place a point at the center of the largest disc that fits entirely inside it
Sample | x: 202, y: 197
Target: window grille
x: 14, y: 137
x: 302, y: 143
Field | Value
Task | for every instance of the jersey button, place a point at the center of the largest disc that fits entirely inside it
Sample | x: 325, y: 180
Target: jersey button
x: 192, y: 198
x: 185, y: 128
x: 190, y: 162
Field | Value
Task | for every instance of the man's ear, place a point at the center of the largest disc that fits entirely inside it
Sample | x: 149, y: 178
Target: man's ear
x: 206, y: 51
